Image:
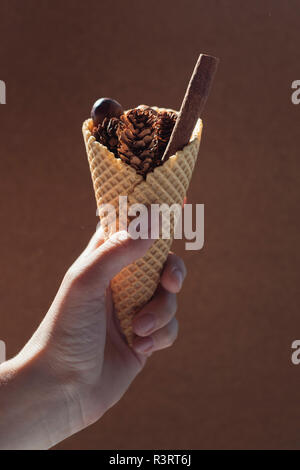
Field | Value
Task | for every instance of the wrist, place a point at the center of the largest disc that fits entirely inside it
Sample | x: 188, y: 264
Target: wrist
x: 37, y: 411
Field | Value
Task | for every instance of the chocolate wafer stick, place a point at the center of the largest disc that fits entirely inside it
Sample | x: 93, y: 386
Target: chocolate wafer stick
x: 193, y: 103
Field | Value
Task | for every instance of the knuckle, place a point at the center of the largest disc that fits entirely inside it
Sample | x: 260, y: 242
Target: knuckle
x: 72, y: 273
x: 79, y: 275
x: 75, y: 276
x: 119, y: 241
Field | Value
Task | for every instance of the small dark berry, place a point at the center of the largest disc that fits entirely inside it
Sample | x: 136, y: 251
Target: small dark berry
x: 105, y: 107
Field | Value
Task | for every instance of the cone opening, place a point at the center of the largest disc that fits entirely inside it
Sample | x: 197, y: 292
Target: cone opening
x: 196, y: 135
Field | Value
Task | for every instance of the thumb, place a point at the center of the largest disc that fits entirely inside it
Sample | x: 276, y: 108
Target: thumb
x: 113, y: 255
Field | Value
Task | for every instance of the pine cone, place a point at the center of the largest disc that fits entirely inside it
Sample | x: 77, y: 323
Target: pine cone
x: 139, y: 137
x: 136, y: 138
x: 164, y: 126
x: 106, y: 134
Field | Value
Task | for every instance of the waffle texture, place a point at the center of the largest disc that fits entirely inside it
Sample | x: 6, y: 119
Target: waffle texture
x: 134, y: 286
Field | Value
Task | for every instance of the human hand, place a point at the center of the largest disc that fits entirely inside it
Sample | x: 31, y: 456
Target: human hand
x: 79, y: 341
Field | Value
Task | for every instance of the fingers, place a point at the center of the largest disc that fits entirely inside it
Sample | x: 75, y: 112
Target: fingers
x: 156, y: 326
x: 173, y: 274
x: 166, y: 336
x: 161, y: 339
x: 156, y: 314
x: 102, y: 263
x: 107, y: 258
x: 119, y: 251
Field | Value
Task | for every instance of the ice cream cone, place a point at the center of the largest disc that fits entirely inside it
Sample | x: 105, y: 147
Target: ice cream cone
x: 134, y: 286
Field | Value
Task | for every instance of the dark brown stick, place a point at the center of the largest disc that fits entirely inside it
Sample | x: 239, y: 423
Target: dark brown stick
x: 193, y: 103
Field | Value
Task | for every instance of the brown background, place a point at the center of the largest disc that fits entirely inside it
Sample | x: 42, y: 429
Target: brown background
x: 228, y: 382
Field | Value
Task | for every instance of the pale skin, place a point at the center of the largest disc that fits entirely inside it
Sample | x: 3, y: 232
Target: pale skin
x: 77, y: 364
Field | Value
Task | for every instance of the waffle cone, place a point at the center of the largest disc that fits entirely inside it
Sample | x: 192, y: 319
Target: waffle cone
x: 134, y: 286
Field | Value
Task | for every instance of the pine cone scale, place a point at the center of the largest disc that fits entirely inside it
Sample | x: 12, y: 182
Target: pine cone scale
x: 139, y: 137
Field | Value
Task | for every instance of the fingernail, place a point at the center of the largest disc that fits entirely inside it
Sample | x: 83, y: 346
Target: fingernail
x: 143, y: 345
x: 178, y: 275
x: 144, y: 324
